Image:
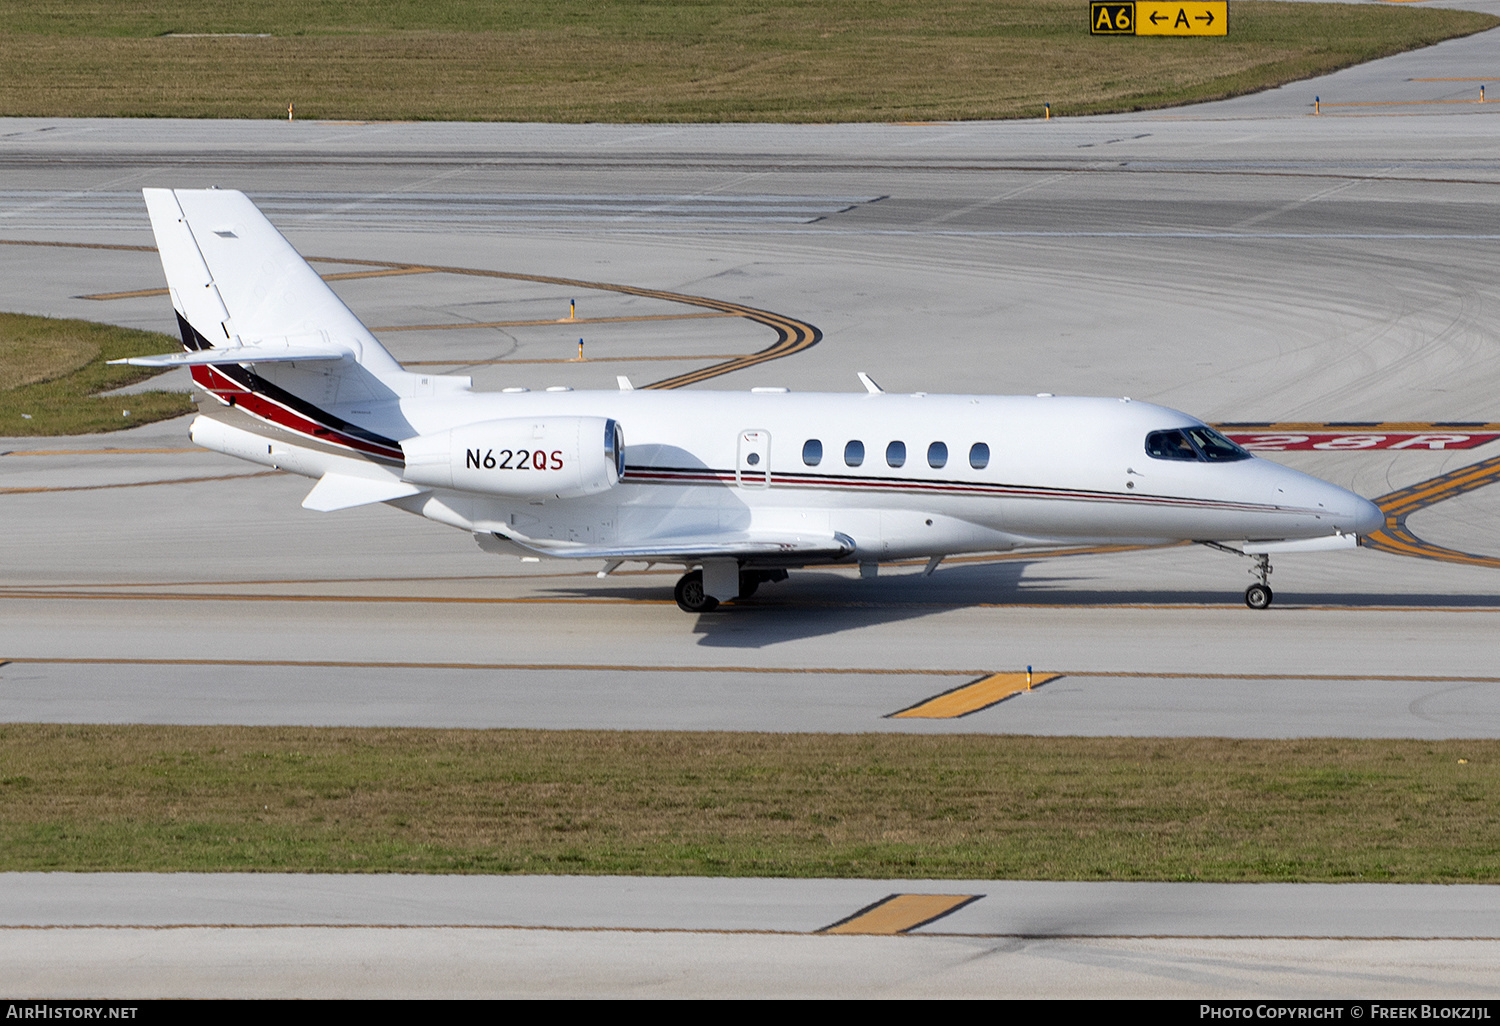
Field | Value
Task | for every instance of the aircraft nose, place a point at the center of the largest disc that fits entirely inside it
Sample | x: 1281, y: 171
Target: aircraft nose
x: 1365, y: 517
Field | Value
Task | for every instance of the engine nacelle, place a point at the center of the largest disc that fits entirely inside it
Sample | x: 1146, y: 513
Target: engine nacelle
x: 524, y: 457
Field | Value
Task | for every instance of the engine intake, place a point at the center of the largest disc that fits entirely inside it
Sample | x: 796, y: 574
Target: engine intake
x: 523, y: 457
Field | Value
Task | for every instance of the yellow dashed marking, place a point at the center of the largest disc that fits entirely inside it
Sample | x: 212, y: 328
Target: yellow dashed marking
x: 900, y: 913
x: 970, y: 698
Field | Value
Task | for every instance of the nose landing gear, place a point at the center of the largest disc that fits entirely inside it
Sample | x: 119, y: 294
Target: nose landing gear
x: 1258, y: 595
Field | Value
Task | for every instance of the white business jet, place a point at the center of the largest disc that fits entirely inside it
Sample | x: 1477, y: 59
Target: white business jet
x: 737, y: 487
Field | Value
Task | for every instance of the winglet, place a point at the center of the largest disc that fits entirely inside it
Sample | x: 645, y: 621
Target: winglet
x: 869, y: 383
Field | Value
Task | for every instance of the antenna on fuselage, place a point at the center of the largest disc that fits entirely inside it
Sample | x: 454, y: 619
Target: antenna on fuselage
x: 869, y: 383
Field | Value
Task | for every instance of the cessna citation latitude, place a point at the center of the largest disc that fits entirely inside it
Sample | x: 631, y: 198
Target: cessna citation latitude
x: 736, y: 487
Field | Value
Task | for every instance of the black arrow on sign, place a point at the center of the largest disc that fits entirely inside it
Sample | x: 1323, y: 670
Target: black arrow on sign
x: 1154, y: 16
x: 1209, y: 17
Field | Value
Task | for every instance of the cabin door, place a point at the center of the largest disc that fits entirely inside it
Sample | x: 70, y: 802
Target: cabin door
x: 753, y: 467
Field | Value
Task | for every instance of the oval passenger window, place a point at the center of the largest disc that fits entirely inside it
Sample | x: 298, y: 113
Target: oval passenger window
x: 937, y: 455
x: 979, y: 455
x: 854, y: 453
x: 895, y: 454
x: 812, y: 452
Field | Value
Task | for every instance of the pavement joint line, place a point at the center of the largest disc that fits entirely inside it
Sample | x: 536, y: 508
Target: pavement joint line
x: 1282, y: 606
x: 769, y: 670
x: 977, y: 695
x: 899, y: 913
x: 96, y: 452
x: 1400, y: 103
x: 556, y: 320
x: 591, y: 359
x: 138, y: 484
x: 747, y: 932
x: 561, y: 667
x: 341, y: 276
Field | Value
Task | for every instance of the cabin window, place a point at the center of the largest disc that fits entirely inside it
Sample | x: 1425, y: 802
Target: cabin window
x: 979, y: 455
x: 812, y: 452
x: 937, y: 455
x: 895, y: 454
x: 854, y: 453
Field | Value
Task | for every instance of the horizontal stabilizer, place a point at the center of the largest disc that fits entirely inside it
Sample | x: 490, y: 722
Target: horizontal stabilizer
x: 737, y: 545
x: 1325, y: 544
x: 344, y: 491
x: 238, y: 354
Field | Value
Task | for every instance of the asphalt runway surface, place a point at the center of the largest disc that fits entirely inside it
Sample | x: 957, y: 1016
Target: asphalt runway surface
x: 1245, y: 261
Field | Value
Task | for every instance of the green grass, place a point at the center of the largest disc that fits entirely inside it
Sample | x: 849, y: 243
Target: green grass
x: 51, y: 371
x: 878, y: 805
x: 638, y: 60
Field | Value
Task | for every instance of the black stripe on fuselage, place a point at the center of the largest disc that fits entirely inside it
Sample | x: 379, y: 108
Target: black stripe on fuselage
x: 247, y: 379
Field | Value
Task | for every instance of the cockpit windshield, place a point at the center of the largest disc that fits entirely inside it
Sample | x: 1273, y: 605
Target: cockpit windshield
x: 1194, y: 444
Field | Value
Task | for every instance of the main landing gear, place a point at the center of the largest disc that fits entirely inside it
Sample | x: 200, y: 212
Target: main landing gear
x: 692, y: 598
x: 1258, y: 595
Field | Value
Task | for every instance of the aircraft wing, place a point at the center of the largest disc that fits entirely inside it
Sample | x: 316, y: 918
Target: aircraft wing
x: 736, y: 545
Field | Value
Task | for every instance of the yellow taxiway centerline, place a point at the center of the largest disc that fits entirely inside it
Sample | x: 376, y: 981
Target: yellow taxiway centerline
x: 900, y: 913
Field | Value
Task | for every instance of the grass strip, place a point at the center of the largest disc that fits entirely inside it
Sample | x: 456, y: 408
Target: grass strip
x: 658, y: 61
x: 51, y: 371
x: 168, y: 798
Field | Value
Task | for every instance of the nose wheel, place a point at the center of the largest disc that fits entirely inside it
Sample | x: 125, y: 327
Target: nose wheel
x: 1258, y: 596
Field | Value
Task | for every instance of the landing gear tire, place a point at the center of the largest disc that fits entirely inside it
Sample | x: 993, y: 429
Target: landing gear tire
x: 1258, y: 596
x: 690, y: 596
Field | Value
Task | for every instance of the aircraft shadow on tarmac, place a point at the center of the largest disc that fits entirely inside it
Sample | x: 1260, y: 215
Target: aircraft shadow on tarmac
x: 818, y: 604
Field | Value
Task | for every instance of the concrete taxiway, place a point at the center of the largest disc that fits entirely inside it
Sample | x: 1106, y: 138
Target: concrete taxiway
x: 190, y: 935
x: 1247, y: 261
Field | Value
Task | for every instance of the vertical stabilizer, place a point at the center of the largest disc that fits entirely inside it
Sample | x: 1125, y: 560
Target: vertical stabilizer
x: 236, y: 281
